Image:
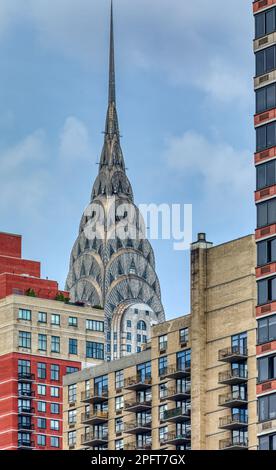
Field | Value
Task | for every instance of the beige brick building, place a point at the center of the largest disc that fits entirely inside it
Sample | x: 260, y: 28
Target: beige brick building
x: 194, y: 385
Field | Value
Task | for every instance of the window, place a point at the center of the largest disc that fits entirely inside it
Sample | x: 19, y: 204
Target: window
x: 72, y: 438
x: 24, y: 314
x: 162, y: 365
x: 71, y: 370
x: 94, y: 350
x: 144, y: 371
x: 41, y: 406
x: 266, y: 290
x: 145, y: 339
x: 54, y: 372
x: 162, y: 411
x: 163, y: 390
x: 119, y: 403
x: 128, y: 336
x: 264, y: 23
x: 101, y: 385
x: 41, y: 389
x: 54, y: 408
x: 184, y: 335
x: 42, y: 342
x: 266, y: 98
x: 25, y: 339
x: 267, y: 442
x: 41, y: 440
x: 119, y: 379
x: 265, y: 60
x: 42, y: 317
x: 128, y: 348
x: 55, y: 344
x: 54, y: 425
x: 267, y: 329
x: 267, y: 368
x: 163, y: 432
x: 163, y: 342
x: 128, y: 323
x: 72, y: 416
x: 72, y: 321
x: 183, y: 360
x: 267, y: 407
x: 24, y: 367
x: 54, y: 441
x: 41, y: 423
x: 73, y: 346
x: 119, y: 425
x: 55, y: 319
x: 266, y: 251
x: 266, y: 136
x: 55, y: 392
x: 94, y: 325
x: 41, y: 370
x: 139, y: 338
x: 119, y: 444
x: 141, y: 325
x: 72, y: 393
x: 266, y: 213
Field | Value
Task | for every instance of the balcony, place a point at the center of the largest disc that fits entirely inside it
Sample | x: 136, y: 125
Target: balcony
x: 236, y: 443
x: 96, y: 396
x: 26, y: 393
x: 138, y: 383
x: 91, y: 439
x: 26, y: 377
x: 24, y: 444
x: 175, y: 439
x: 232, y: 400
x: 233, y: 377
x: 177, y: 371
x: 138, y: 446
x: 94, y: 417
x: 177, y: 415
x: 233, y: 354
x: 233, y: 422
x: 136, y: 406
x: 137, y: 427
x: 26, y: 427
x: 178, y: 393
x: 23, y: 410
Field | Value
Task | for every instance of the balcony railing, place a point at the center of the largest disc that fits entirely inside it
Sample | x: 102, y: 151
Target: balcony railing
x: 177, y: 371
x: 232, y: 399
x: 177, y: 414
x: 174, y: 438
x: 233, y: 354
x: 25, y: 444
x: 95, y: 396
x: 136, y: 405
x: 233, y: 377
x: 26, y: 393
x: 177, y: 393
x: 138, y: 446
x: 25, y: 427
x: 26, y: 377
x: 94, y: 438
x: 235, y: 421
x: 137, y: 427
x: 94, y: 417
x: 234, y: 443
x: 25, y: 410
x: 138, y: 383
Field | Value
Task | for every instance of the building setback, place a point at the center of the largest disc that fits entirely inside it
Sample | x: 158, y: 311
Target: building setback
x: 265, y: 198
x: 41, y: 340
x: 194, y: 385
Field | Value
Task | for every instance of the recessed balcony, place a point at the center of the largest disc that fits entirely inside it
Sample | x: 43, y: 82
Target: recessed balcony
x: 138, y: 383
x: 136, y: 406
x: 94, y: 417
x: 26, y: 393
x: 26, y: 377
x: 24, y: 444
x: 236, y: 443
x: 233, y: 377
x: 177, y: 415
x: 26, y: 427
x: 175, y: 439
x: 177, y: 371
x: 233, y: 354
x: 232, y: 400
x: 91, y: 439
x: 95, y: 396
x: 178, y: 393
x: 233, y: 422
x: 137, y: 427
x: 23, y: 410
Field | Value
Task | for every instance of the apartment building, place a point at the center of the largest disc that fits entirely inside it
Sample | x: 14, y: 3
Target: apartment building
x: 42, y: 338
x: 194, y: 385
x: 265, y: 162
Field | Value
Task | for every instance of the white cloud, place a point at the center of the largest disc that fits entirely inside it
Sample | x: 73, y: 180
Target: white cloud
x: 221, y: 167
x: 74, y: 140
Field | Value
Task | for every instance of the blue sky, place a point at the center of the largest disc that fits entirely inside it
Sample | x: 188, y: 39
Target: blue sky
x: 185, y: 103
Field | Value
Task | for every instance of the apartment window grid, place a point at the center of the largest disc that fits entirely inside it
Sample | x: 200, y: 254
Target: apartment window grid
x: 42, y: 342
x: 94, y: 350
x: 24, y: 314
x: 24, y: 367
x: 94, y: 325
x: 25, y: 339
x: 55, y: 344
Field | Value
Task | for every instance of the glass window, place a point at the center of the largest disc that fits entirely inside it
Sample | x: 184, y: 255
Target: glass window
x: 184, y: 335
x: 24, y: 339
x: 270, y: 21
x: 55, y: 344
x: 72, y: 438
x: 41, y: 423
x: 141, y: 325
x: 54, y: 372
x: 55, y: 392
x: 267, y: 442
x: 265, y: 60
x: 54, y: 408
x: 119, y: 379
x: 128, y: 323
x: 270, y: 92
x: 41, y: 440
x: 41, y: 406
x: 129, y: 348
x: 260, y: 25
x: 54, y: 441
x: 119, y: 403
x: 144, y: 371
x: 270, y: 61
x: 73, y: 321
x: 72, y: 416
x: 94, y: 325
x: 55, y: 319
x: 72, y: 393
x: 260, y: 63
x: 24, y: 314
x: 41, y: 370
x: 54, y: 425
x: 119, y: 425
x: 94, y: 350
x: 41, y: 389
x: 266, y: 213
x: 267, y: 407
x: 266, y: 174
x: 42, y: 317
x: 42, y: 342
x: 162, y: 365
x: 261, y: 104
x: 261, y: 138
x: 119, y: 444
x: 73, y: 346
x: 128, y: 336
x: 163, y: 342
x: 262, y: 253
x: 71, y: 370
